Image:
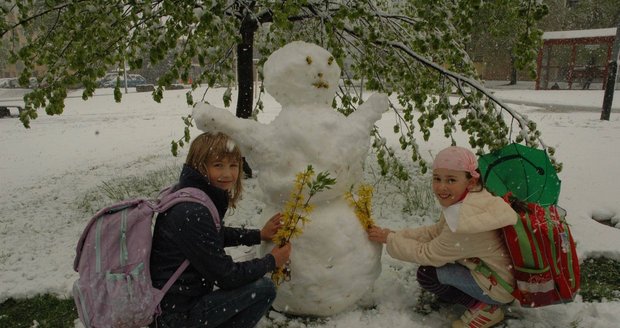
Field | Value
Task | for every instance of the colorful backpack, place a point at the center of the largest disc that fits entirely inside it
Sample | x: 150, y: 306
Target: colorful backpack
x: 113, y: 257
x: 544, y: 258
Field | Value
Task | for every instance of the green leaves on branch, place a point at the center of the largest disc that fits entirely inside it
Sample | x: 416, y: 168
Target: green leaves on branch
x: 175, y: 144
x: 77, y: 42
x: 529, y: 41
x: 414, y: 50
x: 322, y: 182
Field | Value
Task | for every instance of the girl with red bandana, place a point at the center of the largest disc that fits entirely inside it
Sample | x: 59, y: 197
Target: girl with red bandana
x: 468, y: 231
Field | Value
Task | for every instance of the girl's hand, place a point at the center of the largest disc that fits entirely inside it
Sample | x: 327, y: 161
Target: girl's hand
x: 378, y: 234
x: 281, y: 254
x: 271, y: 227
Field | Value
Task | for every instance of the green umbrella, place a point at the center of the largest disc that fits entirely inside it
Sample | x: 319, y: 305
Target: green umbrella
x: 526, y: 172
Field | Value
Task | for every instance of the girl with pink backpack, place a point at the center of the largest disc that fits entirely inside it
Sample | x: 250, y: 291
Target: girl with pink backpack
x: 214, y: 290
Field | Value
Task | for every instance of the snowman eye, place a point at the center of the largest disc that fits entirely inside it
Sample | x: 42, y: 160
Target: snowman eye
x: 309, y: 60
x: 330, y: 60
x: 320, y: 75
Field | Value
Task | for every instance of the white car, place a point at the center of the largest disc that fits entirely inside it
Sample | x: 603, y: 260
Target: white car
x: 109, y: 80
x: 13, y: 82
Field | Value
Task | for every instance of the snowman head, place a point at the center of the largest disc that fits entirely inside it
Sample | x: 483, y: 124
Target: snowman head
x: 301, y: 73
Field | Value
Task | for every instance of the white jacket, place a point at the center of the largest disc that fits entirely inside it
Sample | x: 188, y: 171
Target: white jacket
x: 477, y: 235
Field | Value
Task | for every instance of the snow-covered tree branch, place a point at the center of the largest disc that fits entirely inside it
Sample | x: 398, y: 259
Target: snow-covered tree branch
x: 415, y: 50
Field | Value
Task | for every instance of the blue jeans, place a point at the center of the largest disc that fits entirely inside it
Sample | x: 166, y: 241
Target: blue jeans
x: 239, y: 308
x: 460, y: 277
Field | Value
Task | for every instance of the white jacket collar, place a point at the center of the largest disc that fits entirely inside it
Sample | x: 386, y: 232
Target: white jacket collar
x: 451, y: 214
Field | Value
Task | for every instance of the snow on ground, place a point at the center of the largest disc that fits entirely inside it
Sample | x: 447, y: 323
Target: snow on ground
x: 47, y: 169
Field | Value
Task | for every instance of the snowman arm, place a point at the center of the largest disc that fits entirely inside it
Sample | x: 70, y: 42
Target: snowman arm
x: 215, y: 119
x: 371, y: 110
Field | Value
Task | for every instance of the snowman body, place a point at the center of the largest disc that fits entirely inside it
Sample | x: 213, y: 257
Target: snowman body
x: 332, y: 263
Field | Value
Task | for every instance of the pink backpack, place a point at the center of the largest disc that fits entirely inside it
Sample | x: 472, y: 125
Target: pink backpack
x: 113, y: 258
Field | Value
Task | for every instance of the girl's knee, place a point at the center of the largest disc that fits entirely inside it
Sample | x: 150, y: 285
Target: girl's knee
x: 427, y: 276
x: 266, y: 287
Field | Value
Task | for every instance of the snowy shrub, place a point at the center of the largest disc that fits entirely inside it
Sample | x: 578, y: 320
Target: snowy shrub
x: 600, y: 280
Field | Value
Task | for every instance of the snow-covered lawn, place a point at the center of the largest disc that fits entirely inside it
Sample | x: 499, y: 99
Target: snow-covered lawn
x: 46, y: 170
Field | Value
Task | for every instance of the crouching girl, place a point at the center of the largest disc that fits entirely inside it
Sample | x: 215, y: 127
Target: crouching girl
x: 468, y: 231
x: 187, y: 231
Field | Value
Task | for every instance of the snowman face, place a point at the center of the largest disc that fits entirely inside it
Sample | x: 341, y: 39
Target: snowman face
x: 301, y: 73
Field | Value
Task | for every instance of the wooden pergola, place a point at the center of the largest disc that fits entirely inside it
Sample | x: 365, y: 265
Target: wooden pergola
x: 574, y: 57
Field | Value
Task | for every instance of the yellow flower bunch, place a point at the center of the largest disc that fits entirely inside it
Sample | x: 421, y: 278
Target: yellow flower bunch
x: 363, y: 205
x: 296, y: 210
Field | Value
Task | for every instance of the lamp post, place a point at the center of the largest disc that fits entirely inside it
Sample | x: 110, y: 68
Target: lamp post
x: 125, y: 74
x: 611, y: 78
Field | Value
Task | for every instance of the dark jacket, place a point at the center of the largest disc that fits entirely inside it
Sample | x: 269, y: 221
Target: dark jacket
x: 187, y: 231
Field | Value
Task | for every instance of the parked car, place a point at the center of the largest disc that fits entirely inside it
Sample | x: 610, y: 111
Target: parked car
x: 13, y: 82
x: 109, y: 80
x: 10, y: 110
x: 6, y: 82
x: 10, y: 83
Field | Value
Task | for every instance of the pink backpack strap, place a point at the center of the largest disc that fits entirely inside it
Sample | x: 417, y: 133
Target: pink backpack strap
x: 172, y: 280
x: 189, y: 194
x: 169, y: 199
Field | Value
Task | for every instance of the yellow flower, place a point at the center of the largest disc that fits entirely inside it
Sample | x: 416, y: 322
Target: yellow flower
x: 297, y: 209
x: 362, y: 207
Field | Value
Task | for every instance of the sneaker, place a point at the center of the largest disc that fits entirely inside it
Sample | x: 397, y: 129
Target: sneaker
x: 482, y: 317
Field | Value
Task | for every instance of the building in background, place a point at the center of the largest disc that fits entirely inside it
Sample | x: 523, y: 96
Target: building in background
x: 575, y: 59
x: 14, y: 40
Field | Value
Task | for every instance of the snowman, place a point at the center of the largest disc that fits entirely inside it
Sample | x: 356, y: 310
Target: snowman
x: 333, y: 264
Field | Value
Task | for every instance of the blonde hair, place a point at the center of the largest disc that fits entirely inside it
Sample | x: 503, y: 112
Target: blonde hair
x: 209, y: 147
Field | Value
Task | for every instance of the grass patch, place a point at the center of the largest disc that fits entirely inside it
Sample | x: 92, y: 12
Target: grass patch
x: 39, y: 311
x: 419, y: 196
x: 121, y: 188
x: 600, y: 280
x: 415, y: 195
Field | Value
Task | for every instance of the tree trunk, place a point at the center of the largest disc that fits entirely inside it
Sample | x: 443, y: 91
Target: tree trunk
x: 513, y: 71
x: 245, y: 68
x: 245, y: 75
